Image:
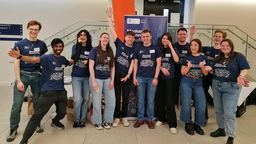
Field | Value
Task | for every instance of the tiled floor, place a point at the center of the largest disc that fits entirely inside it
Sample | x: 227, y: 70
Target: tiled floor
x: 246, y: 130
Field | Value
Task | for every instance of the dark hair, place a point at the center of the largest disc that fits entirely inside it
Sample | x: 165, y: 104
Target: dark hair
x: 224, y: 34
x: 160, y: 40
x: 182, y: 29
x: 231, y: 55
x: 131, y: 33
x: 198, y: 41
x: 146, y: 31
x: 34, y: 22
x: 56, y: 41
x: 102, y: 55
x: 88, y: 35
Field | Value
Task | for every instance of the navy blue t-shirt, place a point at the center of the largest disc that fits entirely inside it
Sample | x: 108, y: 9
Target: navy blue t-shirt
x: 79, y: 54
x: 123, y: 58
x: 168, y: 63
x: 52, y: 72
x: 228, y: 72
x: 101, y: 71
x: 146, y: 57
x: 183, y: 50
x: 211, y: 53
x: 31, y: 48
x: 195, y: 70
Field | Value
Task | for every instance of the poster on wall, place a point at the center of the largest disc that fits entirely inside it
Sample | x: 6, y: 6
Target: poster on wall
x: 11, y: 32
x: 157, y: 25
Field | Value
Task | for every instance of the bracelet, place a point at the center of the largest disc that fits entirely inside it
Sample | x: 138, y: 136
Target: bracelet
x: 156, y: 78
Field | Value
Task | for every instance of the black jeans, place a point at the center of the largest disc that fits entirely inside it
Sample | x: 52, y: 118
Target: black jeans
x: 122, y: 90
x: 207, y: 82
x: 46, y: 100
x: 165, y: 109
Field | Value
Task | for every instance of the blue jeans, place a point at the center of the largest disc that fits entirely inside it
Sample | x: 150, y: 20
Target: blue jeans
x: 145, y: 85
x: 225, y: 98
x: 192, y: 87
x: 109, y: 99
x: 81, y: 91
x: 28, y: 79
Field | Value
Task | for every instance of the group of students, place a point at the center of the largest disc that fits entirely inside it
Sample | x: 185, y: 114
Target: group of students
x: 162, y: 70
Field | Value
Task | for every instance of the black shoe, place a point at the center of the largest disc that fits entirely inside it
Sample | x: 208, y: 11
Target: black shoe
x: 57, y: 125
x: 198, y: 129
x: 76, y: 124
x: 82, y: 124
x: 12, y: 135
x: 189, y: 128
x: 230, y: 140
x: 39, y: 129
x: 219, y: 132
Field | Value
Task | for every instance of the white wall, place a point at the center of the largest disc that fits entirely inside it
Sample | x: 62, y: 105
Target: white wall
x: 228, y: 12
x: 54, y: 15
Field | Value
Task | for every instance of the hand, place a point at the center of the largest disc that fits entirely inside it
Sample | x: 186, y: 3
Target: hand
x: 20, y: 86
x: 135, y: 82
x: 71, y: 62
x: 109, y: 12
x: 85, y: 62
x: 124, y: 79
x: 241, y: 80
x: 79, y: 40
x: 165, y: 71
x: 111, y: 85
x: 14, y: 53
x: 202, y: 63
x: 207, y: 68
x: 154, y: 82
x: 189, y: 64
x: 95, y: 86
x: 192, y: 30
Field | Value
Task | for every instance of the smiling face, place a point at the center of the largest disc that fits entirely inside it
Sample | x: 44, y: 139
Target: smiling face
x: 33, y: 31
x: 226, y: 48
x: 82, y: 38
x: 129, y: 39
x: 146, y: 38
x: 218, y: 37
x: 104, y: 39
x: 182, y: 36
x: 165, y: 41
x: 58, y: 48
x: 194, y: 47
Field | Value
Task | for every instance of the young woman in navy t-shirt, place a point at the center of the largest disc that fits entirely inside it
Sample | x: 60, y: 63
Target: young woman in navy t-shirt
x: 102, y: 72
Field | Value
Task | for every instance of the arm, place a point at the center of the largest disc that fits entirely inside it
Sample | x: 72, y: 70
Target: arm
x: 129, y: 72
x: 192, y: 32
x: 241, y: 79
x: 135, y: 69
x: 109, y: 12
x: 29, y: 59
x: 95, y: 86
x: 185, y: 69
x: 19, y: 83
x: 174, y: 54
x: 157, y: 71
x: 112, y: 77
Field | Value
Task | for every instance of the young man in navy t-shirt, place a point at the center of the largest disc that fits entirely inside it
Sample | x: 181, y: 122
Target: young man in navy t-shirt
x: 123, y: 69
x: 147, y: 63
x: 52, y: 86
x: 26, y: 74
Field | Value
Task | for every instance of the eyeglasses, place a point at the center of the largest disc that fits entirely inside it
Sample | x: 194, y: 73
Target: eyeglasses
x: 31, y: 29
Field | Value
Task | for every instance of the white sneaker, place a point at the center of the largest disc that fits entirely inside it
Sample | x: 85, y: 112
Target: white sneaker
x: 158, y: 123
x: 173, y: 130
x: 125, y: 122
x: 116, y: 122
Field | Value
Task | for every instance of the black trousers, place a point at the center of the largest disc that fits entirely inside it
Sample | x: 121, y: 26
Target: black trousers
x: 122, y: 91
x: 165, y: 109
x: 207, y: 82
x: 46, y: 100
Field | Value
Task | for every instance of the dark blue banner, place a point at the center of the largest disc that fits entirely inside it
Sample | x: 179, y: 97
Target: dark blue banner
x: 11, y: 29
x: 156, y: 24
